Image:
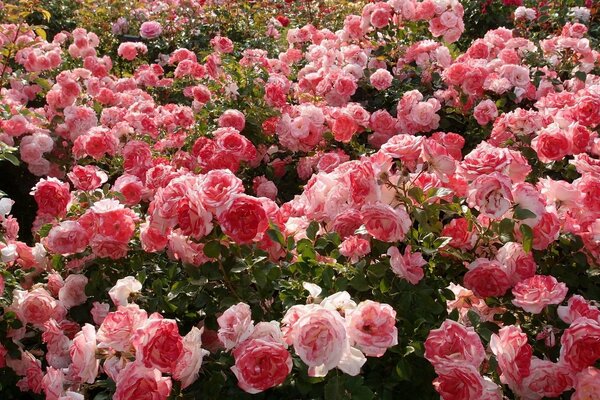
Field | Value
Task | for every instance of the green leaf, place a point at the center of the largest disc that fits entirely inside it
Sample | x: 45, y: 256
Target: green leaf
x: 403, y: 370
x: 311, y: 231
x: 581, y: 75
x: 334, y: 389
x: 527, y: 233
x: 522, y: 213
x: 212, y: 249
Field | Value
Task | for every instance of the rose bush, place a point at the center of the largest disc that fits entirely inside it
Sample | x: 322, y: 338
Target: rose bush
x: 323, y: 204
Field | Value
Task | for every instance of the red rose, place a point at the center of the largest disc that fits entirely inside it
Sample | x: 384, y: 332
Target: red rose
x: 244, y: 220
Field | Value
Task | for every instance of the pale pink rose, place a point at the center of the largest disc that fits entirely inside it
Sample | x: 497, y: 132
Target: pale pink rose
x: 354, y: 247
x: 520, y: 265
x: 158, y: 344
x: 485, y: 112
x: 67, y: 238
x: 188, y: 365
x: 587, y: 384
x: 232, y: 118
x: 150, y: 30
x: 381, y: 79
x: 290, y: 318
x: 118, y: 327
x: 408, y: 266
x: 136, y: 381
x: 535, y: 293
x: 371, y: 326
x: 83, y: 355
x: 99, y: 311
x: 37, y: 306
x: 320, y: 339
x: 453, y: 342
x: 580, y: 344
x: 264, y: 188
x: 235, y: 325
x: 385, y: 223
x: 487, y: 278
x: 261, y: 364
x: 491, y: 195
x: 53, y: 383
x: 73, y: 292
x: 124, y: 287
x: 113, y: 365
x: 578, y: 307
x: 513, y: 354
x: 222, y: 44
x: 340, y: 302
x: 547, y: 379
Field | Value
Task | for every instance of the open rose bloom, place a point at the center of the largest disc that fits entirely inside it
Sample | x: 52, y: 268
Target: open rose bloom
x: 300, y: 199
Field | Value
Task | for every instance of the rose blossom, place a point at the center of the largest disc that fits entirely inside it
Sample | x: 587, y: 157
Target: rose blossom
x: 120, y: 293
x: 73, y: 291
x: 87, y: 177
x: 408, y: 265
x: 52, y: 197
x: 67, y: 238
x: 118, y: 327
x: 535, y: 293
x: 381, y: 79
x: 37, y: 306
x: 491, y: 194
x: 385, y: 223
x: 158, y: 344
x: 244, y: 220
x: 587, y: 384
x: 487, y: 278
x: 150, y: 30
x: 83, y: 354
x: 547, y: 379
x: 485, y: 112
x: 354, y: 247
x: 235, y: 325
x: 458, y: 381
x: 513, y: 354
x: 320, y: 338
x: 581, y: 344
x: 261, y: 364
x: 135, y: 381
x: 453, y: 342
x: 371, y: 326
x: 188, y: 364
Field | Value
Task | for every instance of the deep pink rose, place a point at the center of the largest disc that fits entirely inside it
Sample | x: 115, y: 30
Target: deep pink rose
x: 581, y: 344
x: 158, y: 344
x: 261, y: 364
x: 453, y: 342
x: 244, y: 220
x: 487, y: 278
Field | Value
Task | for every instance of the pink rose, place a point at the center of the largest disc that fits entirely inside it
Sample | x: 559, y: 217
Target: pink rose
x: 487, y: 278
x: 453, y: 342
x: 513, y: 354
x: 99, y: 312
x: 67, y: 238
x: 118, y: 327
x: 407, y: 266
x: 520, y: 265
x: 581, y: 344
x: 188, y: 364
x: 158, y: 344
x: 222, y: 44
x: 150, y: 30
x: 218, y: 188
x: 73, y: 291
x: 83, y: 354
x: 52, y: 197
x: 546, y: 231
x: 53, y: 383
x: 261, y: 364
x: 457, y: 381
x: 244, y: 220
x: 87, y: 177
x: 344, y: 127
x: 120, y: 293
x: 551, y: 144
x: 232, y: 119
x: 319, y: 338
x: 578, y: 307
x: 135, y: 381
x: 491, y: 195
x: 547, y: 379
x: 354, y: 247
x: 131, y: 187
x: 235, y: 325
x: 37, y: 306
x: 587, y: 384
x: 535, y: 293
x: 385, y: 223
x: 462, y: 237
x: 381, y: 79
x: 485, y: 112
x: 371, y: 326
